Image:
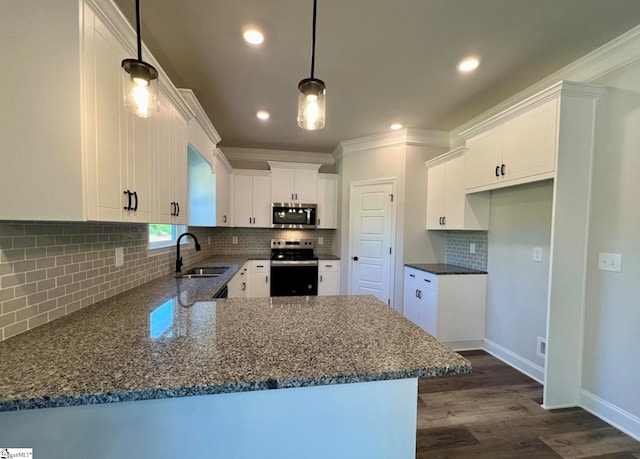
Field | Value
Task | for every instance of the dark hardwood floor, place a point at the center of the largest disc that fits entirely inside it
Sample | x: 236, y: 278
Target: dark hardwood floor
x: 495, y: 413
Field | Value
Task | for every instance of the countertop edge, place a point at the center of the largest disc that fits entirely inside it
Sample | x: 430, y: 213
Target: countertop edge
x: 444, y: 269
x: 175, y: 392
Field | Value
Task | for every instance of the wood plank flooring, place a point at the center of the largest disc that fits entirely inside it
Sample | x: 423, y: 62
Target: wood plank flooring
x: 495, y: 413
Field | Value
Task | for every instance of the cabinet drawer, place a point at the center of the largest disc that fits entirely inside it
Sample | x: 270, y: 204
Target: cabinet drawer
x: 260, y: 266
x: 428, y: 280
x: 325, y: 266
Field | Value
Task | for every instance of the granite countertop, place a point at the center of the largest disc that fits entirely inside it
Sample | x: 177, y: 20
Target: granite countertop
x: 328, y: 257
x: 443, y: 268
x: 169, y: 338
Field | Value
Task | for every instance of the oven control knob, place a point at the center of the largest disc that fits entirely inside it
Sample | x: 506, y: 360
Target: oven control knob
x: 355, y: 258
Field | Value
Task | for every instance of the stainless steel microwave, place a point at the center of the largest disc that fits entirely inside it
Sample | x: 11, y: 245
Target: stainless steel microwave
x: 293, y: 215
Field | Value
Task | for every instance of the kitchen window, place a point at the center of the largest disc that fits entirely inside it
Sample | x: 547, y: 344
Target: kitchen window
x: 164, y: 235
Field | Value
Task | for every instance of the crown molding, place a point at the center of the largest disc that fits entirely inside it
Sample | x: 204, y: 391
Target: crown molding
x: 446, y: 156
x: 257, y: 154
x: 200, y: 115
x: 401, y: 137
x: 117, y: 24
x: 567, y: 88
x: 252, y: 172
x: 223, y: 159
x: 611, y: 56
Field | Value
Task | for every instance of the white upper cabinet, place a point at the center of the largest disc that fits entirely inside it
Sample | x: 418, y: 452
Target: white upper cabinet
x: 223, y: 190
x: 294, y: 182
x: 95, y: 160
x: 251, y: 193
x: 519, y: 146
x: 327, y: 212
x: 448, y: 207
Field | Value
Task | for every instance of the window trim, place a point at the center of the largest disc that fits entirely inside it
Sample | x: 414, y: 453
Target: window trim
x: 176, y: 230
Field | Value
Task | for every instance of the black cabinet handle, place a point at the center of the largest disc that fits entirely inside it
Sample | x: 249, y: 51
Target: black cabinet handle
x: 416, y: 293
x: 355, y: 258
x: 128, y: 206
x: 412, y: 275
x: 427, y: 280
x: 266, y: 279
x: 249, y: 220
x: 292, y: 196
x: 178, y: 209
x: 320, y: 277
x: 173, y: 209
x: 497, y: 171
x: 135, y: 207
x: 225, y: 219
x: 502, y: 169
x: 296, y: 196
x: 420, y: 294
x: 444, y: 220
x: 318, y: 222
x: 244, y: 286
x: 259, y: 266
x: 329, y: 266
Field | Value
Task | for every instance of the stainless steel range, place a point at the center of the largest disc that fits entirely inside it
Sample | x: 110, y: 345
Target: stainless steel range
x: 294, y: 268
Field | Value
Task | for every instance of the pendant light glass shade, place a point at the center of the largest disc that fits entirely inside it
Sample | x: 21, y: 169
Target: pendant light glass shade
x: 140, y: 85
x: 312, y: 91
x: 140, y: 81
x: 311, y: 104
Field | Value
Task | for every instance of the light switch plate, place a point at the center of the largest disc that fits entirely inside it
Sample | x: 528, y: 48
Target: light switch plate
x: 610, y: 262
x: 320, y: 240
x: 119, y: 256
x: 234, y: 239
x: 537, y: 254
x: 472, y: 248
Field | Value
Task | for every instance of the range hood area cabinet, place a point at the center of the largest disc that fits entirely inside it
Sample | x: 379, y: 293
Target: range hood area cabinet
x: 72, y: 153
x: 294, y: 182
x: 448, y: 207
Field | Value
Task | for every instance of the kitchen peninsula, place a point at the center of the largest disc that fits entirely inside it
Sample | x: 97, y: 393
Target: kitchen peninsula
x: 164, y: 367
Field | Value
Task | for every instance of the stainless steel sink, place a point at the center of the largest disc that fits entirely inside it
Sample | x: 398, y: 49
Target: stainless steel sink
x: 195, y: 273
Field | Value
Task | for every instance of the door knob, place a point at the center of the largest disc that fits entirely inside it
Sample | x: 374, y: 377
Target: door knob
x: 355, y: 258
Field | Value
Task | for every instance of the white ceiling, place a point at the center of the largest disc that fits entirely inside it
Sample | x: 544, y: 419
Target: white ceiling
x: 382, y: 60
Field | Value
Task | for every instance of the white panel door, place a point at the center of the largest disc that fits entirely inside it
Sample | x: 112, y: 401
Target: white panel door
x: 371, y: 240
x: 306, y: 190
x: 482, y: 159
x: 282, y: 184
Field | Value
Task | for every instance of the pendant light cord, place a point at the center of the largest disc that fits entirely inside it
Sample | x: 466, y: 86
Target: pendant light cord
x: 138, y: 30
x: 313, y: 38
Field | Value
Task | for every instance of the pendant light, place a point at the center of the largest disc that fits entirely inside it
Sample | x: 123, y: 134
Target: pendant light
x: 311, y: 99
x: 140, y: 81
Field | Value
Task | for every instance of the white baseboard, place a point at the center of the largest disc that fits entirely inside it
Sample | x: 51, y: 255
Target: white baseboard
x: 511, y: 358
x: 611, y: 414
x: 466, y: 345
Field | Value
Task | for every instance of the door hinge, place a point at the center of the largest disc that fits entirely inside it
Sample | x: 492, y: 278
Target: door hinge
x: 391, y: 196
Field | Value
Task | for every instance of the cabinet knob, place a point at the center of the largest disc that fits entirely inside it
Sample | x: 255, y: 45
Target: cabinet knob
x: 355, y: 258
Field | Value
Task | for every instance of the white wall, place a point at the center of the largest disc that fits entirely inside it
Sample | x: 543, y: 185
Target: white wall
x: 611, y: 369
x: 517, y: 288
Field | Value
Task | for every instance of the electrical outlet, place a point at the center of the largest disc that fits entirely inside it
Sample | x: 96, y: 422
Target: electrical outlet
x: 320, y: 240
x: 537, y: 254
x: 119, y: 256
x: 610, y: 262
x: 209, y: 240
x: 234, y: 240
x: 472, y: 248
x: 541, y: 347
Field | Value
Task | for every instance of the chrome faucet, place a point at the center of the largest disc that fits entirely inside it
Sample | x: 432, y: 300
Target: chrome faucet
x: 178, y: 257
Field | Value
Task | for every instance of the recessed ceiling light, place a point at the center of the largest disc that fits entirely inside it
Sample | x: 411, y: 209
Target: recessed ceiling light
x: 252, y: 35
x: 395, y: 126
x: 468, y: 64
x: 263, y: 115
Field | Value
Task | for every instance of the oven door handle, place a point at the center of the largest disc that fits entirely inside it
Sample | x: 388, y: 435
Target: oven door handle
x: 294, y: 263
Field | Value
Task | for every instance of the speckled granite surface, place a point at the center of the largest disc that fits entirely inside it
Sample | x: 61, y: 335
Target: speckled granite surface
x: 168, y: 338
x: 328, y: 257
x: 443, y: 269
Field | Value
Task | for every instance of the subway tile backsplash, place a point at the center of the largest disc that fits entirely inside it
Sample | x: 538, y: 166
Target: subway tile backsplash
x: 48, y: 270
x: 457, y: 252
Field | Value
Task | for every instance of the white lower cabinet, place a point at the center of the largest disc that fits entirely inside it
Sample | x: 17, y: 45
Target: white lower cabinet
x: 450, y: 307
x: 260, y: 281
x: 240, y: 283
x: 328, y: 277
